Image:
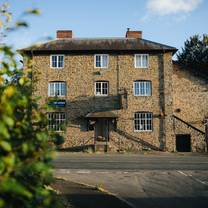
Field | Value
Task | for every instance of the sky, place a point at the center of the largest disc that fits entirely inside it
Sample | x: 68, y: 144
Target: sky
x: 169, y: 22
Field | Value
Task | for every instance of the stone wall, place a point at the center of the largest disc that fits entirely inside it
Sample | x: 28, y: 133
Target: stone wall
x: 190, y: 97
x: 79, y: 74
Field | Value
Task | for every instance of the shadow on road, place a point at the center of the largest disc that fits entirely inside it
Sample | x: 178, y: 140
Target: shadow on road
x: 80, y: 196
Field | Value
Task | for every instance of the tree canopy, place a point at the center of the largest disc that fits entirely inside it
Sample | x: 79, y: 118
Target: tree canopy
x: 194, y: 55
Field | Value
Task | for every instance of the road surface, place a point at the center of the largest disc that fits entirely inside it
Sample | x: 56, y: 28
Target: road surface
x: 146, y: 181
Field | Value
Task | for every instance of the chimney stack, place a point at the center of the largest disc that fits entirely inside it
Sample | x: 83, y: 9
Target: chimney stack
x: 133, y: 34
x: 64, y: 34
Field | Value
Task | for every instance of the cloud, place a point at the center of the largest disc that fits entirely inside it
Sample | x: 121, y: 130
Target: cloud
x: 168, y: 7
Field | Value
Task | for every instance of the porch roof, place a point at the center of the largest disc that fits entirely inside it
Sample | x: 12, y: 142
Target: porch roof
x: 104, y: 114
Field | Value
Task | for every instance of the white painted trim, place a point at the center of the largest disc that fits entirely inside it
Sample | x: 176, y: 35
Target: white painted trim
x: 145, y: 131
x: 142, y: 81
x: 51, y: 61
x: 101, y: 61
x: 142, y: 67
x: 101, y: 95
x: 49, y: 86
x: 65, y: 120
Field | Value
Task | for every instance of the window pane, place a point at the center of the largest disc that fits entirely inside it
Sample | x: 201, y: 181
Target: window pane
x: 136, y: 88
x: 98, y: 88
x: 98, y: 60
x: 142, y: 88
x: 105, y: 88
x: 57, y: 89
x: 60, y: 61
x: 148, y: 88
x: 54, y: 61
x: 105, y: 61
x: 63, y: 89
x: 144, y: 60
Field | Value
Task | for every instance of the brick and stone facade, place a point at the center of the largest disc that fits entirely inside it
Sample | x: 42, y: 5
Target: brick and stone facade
x: 80, y: 74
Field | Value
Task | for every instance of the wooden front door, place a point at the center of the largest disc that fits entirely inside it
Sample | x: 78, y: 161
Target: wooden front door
x: 102, y: 129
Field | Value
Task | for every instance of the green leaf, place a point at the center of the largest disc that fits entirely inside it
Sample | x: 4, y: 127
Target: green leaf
x: 32, y: 11
x: 8, y: 120
x: 6, y: 146
x: 11, y: 185
x: 3, y: 130
x: 21, y: 24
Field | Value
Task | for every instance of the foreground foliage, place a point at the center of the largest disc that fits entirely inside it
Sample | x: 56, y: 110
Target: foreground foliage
x: 25, y: 150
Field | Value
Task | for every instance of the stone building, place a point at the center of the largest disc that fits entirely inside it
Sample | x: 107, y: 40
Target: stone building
x: 190, y: 97
x: 108, y: 93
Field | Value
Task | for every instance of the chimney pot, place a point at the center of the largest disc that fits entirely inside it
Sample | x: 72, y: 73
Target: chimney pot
x: 133, y: 34
x: 64, y: 34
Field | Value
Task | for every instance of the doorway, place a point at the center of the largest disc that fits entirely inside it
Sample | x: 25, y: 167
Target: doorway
x: 183, y: 142
x: 102, y: 129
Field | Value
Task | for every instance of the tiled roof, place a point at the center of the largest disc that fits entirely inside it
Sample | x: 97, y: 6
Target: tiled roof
x: 98, y: 44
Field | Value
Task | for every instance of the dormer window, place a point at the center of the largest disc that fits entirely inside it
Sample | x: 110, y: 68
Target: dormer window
x: 57, y: 61
x: 101, y: 60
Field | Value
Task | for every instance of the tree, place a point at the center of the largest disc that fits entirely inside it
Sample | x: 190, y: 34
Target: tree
x: 194, y: 55
x: 25, y: 143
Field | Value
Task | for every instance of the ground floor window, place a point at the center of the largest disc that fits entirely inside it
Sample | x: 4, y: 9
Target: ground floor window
x: 56, y: 121
x: 143, y: 121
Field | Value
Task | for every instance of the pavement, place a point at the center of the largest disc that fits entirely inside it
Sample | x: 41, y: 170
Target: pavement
x: 147, y: 181
x: 76, y: 195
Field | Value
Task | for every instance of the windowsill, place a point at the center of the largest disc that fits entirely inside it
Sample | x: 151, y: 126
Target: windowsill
x: 101, y: 68
x: 101, y: 95
x: 144, y: 131
x: 64, y: 96
x: 56, y: 67
x: 141, y: 67
x: 142, y: 95
x: 58, y: 131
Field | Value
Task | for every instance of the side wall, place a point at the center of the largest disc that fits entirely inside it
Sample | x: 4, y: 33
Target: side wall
x: 190, y: 97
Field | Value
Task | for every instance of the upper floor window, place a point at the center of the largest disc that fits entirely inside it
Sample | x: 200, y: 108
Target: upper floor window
x: 57, y: 61
x: 101, y: 88
x: 141, y: 60
x: 142, y: 88
x: 101, y: 61
x: 56, y: 121
x: 143, y: 121
x: 57, y: 89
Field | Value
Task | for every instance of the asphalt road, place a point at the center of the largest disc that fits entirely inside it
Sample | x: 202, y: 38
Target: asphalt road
x: 131, y: 162
x: 143, y: 181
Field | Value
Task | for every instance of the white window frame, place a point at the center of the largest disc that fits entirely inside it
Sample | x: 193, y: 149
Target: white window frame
x: 145, y: 88
x: 146, y: 119
x: 101, y: 82
x: 57, y: 55
x: 58, y: 120
x: 101, y: 61
x: 52, y: 84
x: 135, y: 61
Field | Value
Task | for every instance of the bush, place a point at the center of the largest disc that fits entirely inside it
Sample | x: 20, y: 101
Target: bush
x: 25, y: 150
